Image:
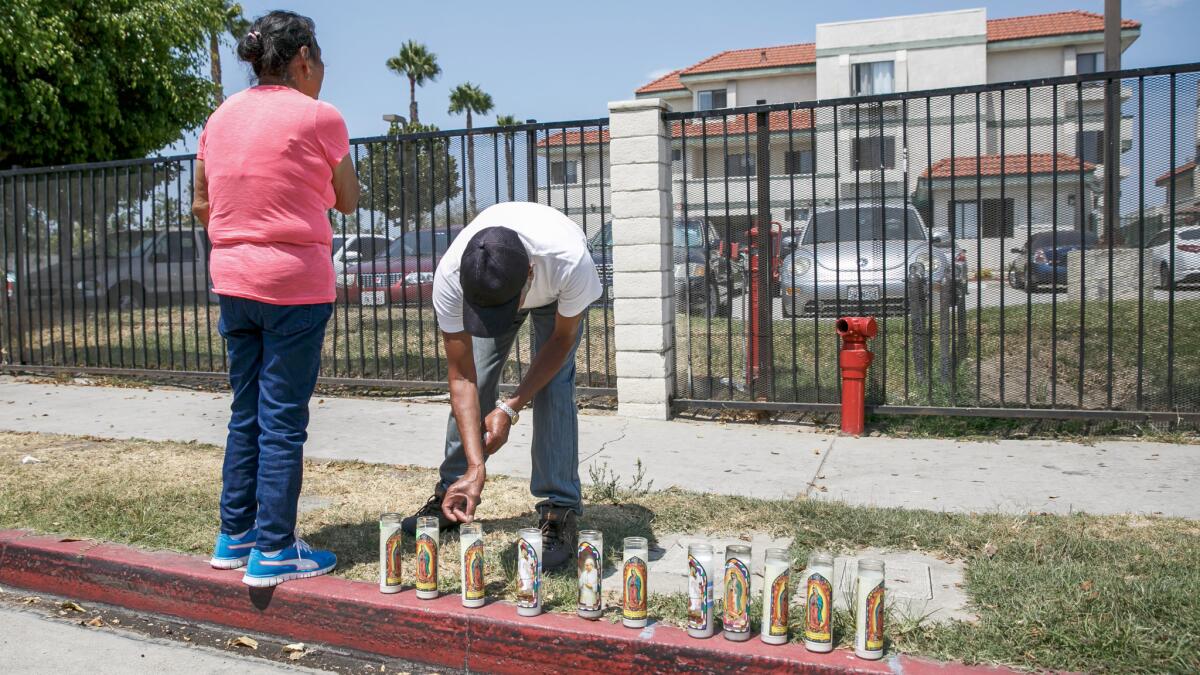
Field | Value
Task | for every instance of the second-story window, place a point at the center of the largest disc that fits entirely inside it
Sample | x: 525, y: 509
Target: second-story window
x: 1089, y: 63
x: 563, y: 172
x: 1089, y: 146
x: 874, y: 153
x: 710, y: 99
x: 872, y: 78
x: 798, y: 161
x: 740, y: 164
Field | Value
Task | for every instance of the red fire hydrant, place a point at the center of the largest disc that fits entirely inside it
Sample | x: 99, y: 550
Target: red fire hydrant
x: 854, y: 358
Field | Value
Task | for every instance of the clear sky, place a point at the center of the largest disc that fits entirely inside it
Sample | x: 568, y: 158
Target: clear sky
x: 565, y: 60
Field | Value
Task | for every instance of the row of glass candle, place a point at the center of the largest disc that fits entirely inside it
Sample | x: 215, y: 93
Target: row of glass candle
x: 818, y: 632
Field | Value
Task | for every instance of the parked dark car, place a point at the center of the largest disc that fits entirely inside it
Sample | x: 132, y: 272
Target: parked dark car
x: 126, y: 269
x: 403, y: 274
x: 708, y: 273
x: 1042, y: 261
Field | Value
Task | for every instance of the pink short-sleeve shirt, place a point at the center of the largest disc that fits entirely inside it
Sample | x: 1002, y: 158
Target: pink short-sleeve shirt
x: 269, y: 154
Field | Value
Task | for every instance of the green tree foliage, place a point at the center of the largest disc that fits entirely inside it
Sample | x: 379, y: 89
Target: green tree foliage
x: 470, y: 99
x: 426, y: 169
x: 86, y: 80
x: 235, y: 26
x: 510, y: 151
x: 419, y: 65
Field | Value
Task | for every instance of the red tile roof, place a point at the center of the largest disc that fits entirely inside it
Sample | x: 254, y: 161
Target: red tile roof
x: 715, y: 127
x: 1014, y: 165
x: 668, y: 82
x: 1042, y: 25
x: 1178, y: 170
x: 998, y: 30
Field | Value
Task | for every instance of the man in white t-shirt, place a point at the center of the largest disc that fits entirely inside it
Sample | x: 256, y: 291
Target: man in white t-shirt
x: 514, y: 260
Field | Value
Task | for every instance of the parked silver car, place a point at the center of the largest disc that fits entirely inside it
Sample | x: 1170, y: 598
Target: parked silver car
x: 1187, y: 257
x: 859, y: 258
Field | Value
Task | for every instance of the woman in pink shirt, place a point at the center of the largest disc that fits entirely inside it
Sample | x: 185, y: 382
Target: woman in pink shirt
x: 271, y: 163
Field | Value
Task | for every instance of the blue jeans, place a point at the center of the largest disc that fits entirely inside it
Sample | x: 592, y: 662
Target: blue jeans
x: 555, y: 417
x: 274, y: 356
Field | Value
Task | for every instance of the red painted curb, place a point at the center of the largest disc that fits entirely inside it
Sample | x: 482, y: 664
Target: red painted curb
x: 355, y: 615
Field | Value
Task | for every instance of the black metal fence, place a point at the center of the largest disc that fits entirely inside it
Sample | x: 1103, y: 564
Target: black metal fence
x: 974, y: 223
x: 106, y: 268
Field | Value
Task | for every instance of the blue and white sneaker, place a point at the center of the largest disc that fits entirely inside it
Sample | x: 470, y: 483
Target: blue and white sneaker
x: 231, y: 552
x: 297, y: 561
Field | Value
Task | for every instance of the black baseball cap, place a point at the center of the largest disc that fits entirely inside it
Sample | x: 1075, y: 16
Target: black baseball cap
x: 492, y: 273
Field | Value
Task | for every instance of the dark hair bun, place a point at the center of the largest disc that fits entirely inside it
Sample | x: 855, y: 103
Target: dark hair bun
x: 274, y: 40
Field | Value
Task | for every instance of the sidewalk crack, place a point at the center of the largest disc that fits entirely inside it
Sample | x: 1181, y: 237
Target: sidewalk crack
x: 813, y: 482
x: 605, y: 444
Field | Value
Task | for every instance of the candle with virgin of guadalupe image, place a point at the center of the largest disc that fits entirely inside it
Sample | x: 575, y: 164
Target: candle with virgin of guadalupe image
x: 868, y: 610
x: 775, y: 597
x: 818, y: 603
x: 589, y: 561
x: 470, y: 537
x: 428, y: 539
x: 391, y: 552
x: 737, y: 593
x: 634, y: 573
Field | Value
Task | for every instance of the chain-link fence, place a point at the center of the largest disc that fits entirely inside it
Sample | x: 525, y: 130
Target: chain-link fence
x: 106, y: 267
x: 978, y: 227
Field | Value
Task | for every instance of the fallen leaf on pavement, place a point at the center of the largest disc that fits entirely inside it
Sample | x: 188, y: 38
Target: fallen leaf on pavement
x: 989, y: 549
x: 243, y: 641
x: 96, y: 622
x: 73, y: 606
x: 30, y: 599
x: 294, y: 647
x: 296, y: 656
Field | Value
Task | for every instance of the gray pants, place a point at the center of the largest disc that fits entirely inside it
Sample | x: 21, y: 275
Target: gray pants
x: 555, y: 418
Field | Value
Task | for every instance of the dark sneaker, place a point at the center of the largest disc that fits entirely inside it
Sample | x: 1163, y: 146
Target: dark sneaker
x: 433, y: 507
x: 560, y: 533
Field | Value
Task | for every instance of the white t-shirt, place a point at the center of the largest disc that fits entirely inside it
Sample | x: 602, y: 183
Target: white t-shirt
x: 563, y: 270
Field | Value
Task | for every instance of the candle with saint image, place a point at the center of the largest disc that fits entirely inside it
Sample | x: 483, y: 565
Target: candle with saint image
x: 470, y: 537
x: 589, y: 560
x: 529, y: 571
x: 700, y: 591
x: 818, y: 603
x: 775, y: 597
x: 868, y: 610
x: 634, y: 575
x: 737, y: 593
x: 428, y: 540
x: 391, y: 552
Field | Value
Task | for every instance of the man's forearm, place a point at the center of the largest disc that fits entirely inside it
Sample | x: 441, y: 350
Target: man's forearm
x: 464, y: 401
x: 548, y: 360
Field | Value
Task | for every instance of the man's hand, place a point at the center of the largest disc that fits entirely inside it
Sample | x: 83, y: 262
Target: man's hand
x: 460, y: 501
x: 496, y: 425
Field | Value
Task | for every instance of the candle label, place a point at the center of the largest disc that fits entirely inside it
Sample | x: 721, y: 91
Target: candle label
x: 818, y: 609
x: 589, y: 567
x: 426, y: 563
x: 635, y: 588
x: 529, y: 575
x: 737, y: 596
x: 473, y: 571
x: 393, y: 555
x: 875, y: 618
x: 699, y: 595
x: 779, y: 606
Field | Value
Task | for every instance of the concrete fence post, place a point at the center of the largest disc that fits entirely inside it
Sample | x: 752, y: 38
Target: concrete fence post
x: 643, y: 286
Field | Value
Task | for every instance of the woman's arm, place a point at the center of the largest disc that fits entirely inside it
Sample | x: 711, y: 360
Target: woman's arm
x: 200, y: 198
x: 345, y: 186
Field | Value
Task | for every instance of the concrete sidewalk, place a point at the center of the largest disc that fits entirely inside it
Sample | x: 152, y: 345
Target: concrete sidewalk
x: 769, y: 461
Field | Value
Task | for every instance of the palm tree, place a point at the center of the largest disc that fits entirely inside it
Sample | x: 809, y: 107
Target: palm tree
x: 419, y: 65
x: 236, y: 26
x: 469, y: 98
x: 510, y: 150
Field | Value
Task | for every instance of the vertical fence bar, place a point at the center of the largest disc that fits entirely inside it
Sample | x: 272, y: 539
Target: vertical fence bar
x: 1005, y: 223
x: 1083, y: 234
x: 766, y: 260
x: 1141, y: 318
x: 1171, y: 197
x: 793, y: 158
x: 1054, y: 252
x: 979, y: 231
x: 1029, y: 246
x: 812, y: 220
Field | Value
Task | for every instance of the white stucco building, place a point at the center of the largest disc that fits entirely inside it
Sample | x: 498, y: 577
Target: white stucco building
x: 895, y: 148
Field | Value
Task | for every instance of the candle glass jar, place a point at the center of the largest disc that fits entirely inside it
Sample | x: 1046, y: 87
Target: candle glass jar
x: 818, y: 602
x: 776, y: 574
x: 428, y: 539
x: 700, y: 591
x: 868, y: 616
x: 634, y: 576
x: 391, y: 552
x: 470, y: 537
x: 589, y: 562
x: 736, y: 618
x: 529, y: 571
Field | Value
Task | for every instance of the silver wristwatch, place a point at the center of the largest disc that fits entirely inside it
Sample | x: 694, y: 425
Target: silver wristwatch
x: 513, y: 416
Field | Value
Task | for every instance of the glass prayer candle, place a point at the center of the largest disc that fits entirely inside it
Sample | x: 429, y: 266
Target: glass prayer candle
x: 470, y: 537
x: 818, y: 603
x: 868, y: 610
x: 529, y: 571
x: 700, y: 591
x: 428, y: 539
x: 737, y: 593
x: 634, y: 575
x: 391, y: 552
x: 589, y: 562
x: 775, y: 597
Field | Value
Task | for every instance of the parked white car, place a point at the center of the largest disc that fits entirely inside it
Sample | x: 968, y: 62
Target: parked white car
x: 1187, y: 256
x: 352, y: 249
